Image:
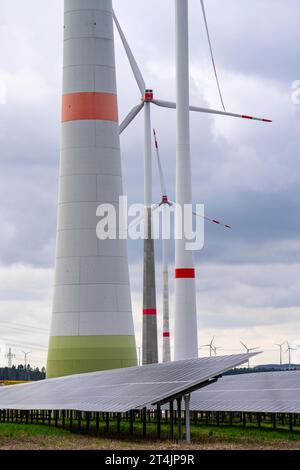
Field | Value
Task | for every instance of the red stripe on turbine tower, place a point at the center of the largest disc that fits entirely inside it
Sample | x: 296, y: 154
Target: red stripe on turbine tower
x: 185, y: 273
x: 166, y: 335
x: 151, y: 311
x: 89, y: 106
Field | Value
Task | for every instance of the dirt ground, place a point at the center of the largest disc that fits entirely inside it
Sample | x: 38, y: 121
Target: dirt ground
x: 93, y: 443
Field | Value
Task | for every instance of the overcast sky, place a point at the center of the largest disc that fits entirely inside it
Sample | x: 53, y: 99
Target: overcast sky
x: 246, y: 173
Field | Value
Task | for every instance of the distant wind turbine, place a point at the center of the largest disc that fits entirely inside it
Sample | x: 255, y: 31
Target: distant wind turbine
x: 289, y: 349
x: 281, y: 350
x: 210, y: 346
x: 248, y: 350
x: 216, y: 348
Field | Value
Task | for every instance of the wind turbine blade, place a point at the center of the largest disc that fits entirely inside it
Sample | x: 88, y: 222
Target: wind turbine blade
x: 197, y: 109
x: 160, y: 170
x: 225, y: 113
x: 130, y: 117
x: 155, y: 207
x: 141, y: 219
x: 244, y: 345
x: 164, y: 104
x: 212, y: 53
x: 214, y: 221
x: 134, y: 66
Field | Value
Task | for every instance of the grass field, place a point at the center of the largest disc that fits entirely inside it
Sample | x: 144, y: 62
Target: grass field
x: 35, y: 437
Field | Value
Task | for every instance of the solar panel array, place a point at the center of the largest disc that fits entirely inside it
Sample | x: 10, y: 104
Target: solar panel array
x: 270, y: 392
x: 118, y: 390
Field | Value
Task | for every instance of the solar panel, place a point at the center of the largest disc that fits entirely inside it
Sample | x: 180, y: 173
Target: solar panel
x: 118, y: 390
x: 270, y: 392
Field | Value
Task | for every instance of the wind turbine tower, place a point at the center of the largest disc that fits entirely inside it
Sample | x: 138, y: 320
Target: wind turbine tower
x: 92, y: 325
x: 185, y: 333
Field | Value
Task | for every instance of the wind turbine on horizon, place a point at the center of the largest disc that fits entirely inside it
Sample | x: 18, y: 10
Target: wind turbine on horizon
x: 289, y: 349
x: 210, y: 346
x: 216, y: 348
x: 281, y: 350
x: 248, y: 350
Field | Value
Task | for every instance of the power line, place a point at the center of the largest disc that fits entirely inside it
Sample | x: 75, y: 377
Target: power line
x: 23, y: 343
x: 21, y: 325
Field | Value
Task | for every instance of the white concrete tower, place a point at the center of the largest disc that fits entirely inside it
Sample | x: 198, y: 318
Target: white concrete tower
x: 185, y: 333
x: 92, y: 325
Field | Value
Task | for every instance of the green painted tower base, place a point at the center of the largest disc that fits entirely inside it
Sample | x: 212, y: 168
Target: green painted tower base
x: 70, y: 355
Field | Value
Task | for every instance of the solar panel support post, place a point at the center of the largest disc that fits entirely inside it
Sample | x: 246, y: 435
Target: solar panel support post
x: 107, y: 423
x: 144, y: 417
x: 63, y: 414
x: 79, y: 421
x: 56, y: 418
x: 49, y: 417
x: 97, y: 422
x: 187, y: 400
x: 244, y: 420
x: 71, y: 420
x: 179, y: 419
x: 291, y: 422
x: 172, y: 420
x: 274, y: 421
x: 27, y: 415
x: 259, y: 420
x: 131, y: 422
x: 158, y: 422
x: 88, y: 421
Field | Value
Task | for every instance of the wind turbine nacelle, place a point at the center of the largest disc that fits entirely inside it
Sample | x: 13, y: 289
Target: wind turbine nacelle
x: 148, y: 96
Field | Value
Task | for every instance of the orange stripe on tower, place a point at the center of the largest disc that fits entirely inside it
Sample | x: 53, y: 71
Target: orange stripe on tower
x: 89, y: 106
x: 185, y: 273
